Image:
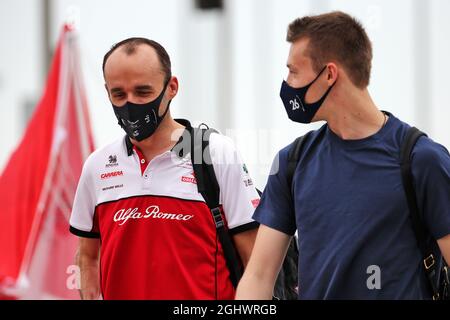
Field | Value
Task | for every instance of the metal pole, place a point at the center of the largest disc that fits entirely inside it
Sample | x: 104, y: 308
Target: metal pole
x: 46, y: 36
x: 223, y: 71
x: 422, y: 64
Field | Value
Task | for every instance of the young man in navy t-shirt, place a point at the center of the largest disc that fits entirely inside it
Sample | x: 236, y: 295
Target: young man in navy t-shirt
x: 346, y: 200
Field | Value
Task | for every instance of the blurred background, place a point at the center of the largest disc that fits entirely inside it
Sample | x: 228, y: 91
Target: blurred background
x: 229, y: 57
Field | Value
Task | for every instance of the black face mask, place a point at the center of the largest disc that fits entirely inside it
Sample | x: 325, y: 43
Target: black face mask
x: 140, y: 121
x: 294, y: 101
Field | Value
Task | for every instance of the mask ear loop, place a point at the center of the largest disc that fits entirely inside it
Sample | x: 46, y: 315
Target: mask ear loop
x: 167, y: 109
x: 317, y: 77
x: 321, y: 100
x: 168, y: 104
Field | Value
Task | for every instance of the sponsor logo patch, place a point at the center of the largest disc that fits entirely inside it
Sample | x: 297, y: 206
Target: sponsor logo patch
x: 117, y: 186
x: 151, y: 212
x: 255, y: 202
x: 248, y: 182
x: 112, y: 161
x: 111, y: 174
x: 189, y: 179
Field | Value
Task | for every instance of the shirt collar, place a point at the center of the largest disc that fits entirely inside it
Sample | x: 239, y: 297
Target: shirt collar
x: 178, y: 148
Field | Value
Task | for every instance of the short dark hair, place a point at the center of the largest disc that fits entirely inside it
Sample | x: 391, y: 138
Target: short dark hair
x: 336, y: 36
x: 130, y: 45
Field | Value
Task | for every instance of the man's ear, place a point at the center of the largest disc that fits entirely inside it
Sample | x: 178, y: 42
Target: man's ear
x: 107, y: 91
x: 332, y: 73
x: 172, y: 88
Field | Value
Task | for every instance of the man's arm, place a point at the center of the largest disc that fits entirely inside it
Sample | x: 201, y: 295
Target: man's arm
x: 444, y: 245
x: 431, y: 172
x: 244, y: 243
x: 265, y: 262
x: 238, y: 195
x: 88, y: 261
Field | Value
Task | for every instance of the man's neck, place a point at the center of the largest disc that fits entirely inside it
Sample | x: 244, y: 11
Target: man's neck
x: 354, y: 116
x: 164, y: 138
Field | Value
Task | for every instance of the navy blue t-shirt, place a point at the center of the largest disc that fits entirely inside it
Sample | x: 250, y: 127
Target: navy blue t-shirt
x: 352, y: 216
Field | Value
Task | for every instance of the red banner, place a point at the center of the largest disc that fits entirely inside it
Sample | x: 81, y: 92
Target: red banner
x: 38, y: 185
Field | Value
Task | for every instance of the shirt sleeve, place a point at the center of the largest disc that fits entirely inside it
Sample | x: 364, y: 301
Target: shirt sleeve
x: 276, y: 209
x: 238, y: 195
x: 431, y: 174
x: 82, y: 219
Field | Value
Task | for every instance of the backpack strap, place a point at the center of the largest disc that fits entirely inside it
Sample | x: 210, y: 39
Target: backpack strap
x: 294, y: 156
x: 285, y: 285
x: 208, y: 187
x: 429, y: 260
x: 411, y: 137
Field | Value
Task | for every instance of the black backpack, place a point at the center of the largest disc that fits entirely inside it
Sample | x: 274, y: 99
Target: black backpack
x: 437, y: 275
x: 208, y: 187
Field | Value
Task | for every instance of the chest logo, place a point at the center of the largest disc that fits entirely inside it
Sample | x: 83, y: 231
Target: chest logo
x: 112, y: 161
x: 152, y: 212
x: 111, y: 174
x: 189, y: 179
